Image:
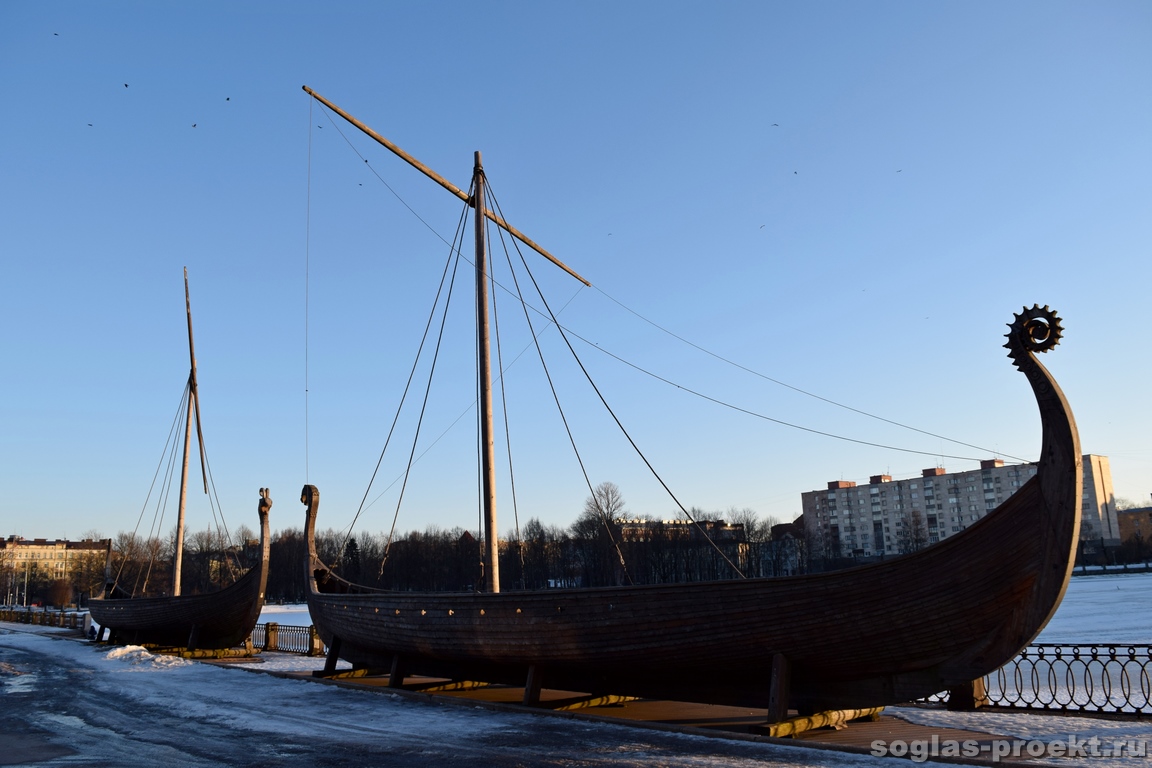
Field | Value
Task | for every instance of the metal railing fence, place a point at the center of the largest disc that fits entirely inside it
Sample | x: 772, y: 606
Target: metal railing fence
x: 1077, y: 678
x: 288, y: 639
x: 1113, y: 678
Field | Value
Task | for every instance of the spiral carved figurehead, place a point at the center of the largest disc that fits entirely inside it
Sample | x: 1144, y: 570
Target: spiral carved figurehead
x: 1032, y: 330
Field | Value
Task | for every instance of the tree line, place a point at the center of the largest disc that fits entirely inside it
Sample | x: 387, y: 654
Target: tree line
x: 603, y: 547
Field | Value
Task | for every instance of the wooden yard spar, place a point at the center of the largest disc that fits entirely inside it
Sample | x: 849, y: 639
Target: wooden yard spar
x: 868, y: 636
x: 210, y: 621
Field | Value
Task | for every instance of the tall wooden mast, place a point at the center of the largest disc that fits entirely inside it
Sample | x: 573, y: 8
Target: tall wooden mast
x: 484, y: 373
x: 193, y: 408
x: 487, y: 445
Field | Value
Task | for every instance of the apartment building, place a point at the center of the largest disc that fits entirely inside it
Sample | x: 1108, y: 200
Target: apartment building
x: 889, y: 517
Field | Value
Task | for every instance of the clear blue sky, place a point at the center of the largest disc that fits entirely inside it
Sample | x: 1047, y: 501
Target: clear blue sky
x: 851, y: 198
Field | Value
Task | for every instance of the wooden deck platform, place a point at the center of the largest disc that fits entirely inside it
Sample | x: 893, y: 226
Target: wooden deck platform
x: 684, y: 717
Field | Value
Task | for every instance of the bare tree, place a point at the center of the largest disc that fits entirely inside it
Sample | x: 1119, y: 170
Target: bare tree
x: 606, y: 502
x: 595, y: 536
x: 913, y: 534
x: 755, y: 529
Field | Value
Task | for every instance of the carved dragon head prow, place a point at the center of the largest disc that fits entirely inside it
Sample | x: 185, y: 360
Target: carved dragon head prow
x: 1032, y: 330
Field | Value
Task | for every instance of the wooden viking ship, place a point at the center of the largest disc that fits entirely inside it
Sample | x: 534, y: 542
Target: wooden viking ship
x: 862, y: 637
x: 209, y: 621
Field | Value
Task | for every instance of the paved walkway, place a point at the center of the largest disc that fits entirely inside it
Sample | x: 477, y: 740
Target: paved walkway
x: 684, y: 717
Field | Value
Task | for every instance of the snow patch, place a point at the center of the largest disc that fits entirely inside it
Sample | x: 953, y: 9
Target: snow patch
x: 138, y: 656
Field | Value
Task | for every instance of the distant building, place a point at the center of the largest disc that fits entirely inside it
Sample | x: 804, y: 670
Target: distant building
x: 890, y: 517
x: 785, y: 553
x: 681, y: 530
x: 24, y: 562
x: 1135, y: 523
x: 1099, y: 519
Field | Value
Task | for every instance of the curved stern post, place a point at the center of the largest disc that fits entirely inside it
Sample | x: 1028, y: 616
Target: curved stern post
x: 1060, y: 466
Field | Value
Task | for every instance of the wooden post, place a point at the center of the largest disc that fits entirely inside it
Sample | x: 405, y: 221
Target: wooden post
x: 396, y: 675
x: 271, y: 636
x: 778, y: 689
x: 333, y: 655
x: 968, y: 697
x: 532, y: 686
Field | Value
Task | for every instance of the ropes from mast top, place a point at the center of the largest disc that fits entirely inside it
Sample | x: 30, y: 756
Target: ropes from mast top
x: 552, y: 387
x: 611, y: 412
x: 518, y: 235
x: 447, y: 277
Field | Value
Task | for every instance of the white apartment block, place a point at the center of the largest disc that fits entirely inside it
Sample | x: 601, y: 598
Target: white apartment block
x: 873, y: 520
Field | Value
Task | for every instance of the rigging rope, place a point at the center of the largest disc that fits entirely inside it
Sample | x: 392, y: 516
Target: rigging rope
x: 612, y: 413
x: 799, y: 390
x: 504, y: 396
x: 551, y: 385
x: 174, y: 434
x: 307, y: 281
x: 444, y: 278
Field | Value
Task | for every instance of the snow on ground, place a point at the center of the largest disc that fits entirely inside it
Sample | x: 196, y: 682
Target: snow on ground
x: 127, y: 707
x: 1111, y: 736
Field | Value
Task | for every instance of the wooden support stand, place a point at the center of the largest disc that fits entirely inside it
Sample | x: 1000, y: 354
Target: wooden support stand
x: 396, y: 678
x: 584, y: 702
x: 968, y: 697
x: 532, y: 686
x: 348, y: 674
x: 778, y: 689
x: 333, y: 656
x: 837, y: 719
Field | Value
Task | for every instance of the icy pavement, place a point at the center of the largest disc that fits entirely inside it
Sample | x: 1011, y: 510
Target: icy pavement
x: 80, y: 704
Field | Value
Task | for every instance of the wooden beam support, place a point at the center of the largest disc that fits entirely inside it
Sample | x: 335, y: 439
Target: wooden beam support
x: 193, y: 637
x: 532, y: 686
x: 838, y: 719
x: 586, y: 702
x: 778, y: 689
x: 396, y: 676
x: 968, y: 697
x: 333, y: 655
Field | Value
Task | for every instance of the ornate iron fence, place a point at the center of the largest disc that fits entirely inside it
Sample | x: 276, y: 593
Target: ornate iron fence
x: 1065, y: 677
x: 1076, y: 678
x: 288, y: 638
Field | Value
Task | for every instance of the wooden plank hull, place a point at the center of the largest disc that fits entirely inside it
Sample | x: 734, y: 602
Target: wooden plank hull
x: 209, y: 621
x: 868, y: 636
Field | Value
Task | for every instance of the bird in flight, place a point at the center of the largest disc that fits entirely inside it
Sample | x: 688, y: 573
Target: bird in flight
x: 193, y: 125
x: 125, y: 85
x: 775, y: 125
